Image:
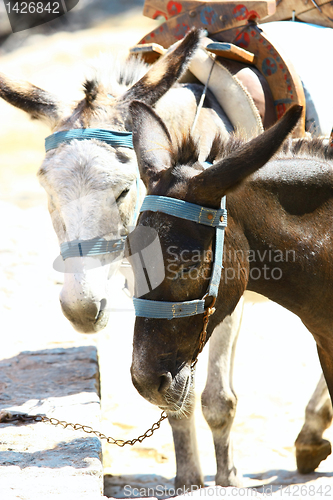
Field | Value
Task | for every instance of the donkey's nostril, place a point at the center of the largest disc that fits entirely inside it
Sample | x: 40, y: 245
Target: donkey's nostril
x: 102, y: 307
x: 85, y: 311
x: 165, y: 382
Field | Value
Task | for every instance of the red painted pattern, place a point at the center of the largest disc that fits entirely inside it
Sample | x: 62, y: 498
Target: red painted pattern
x: 174, y: 8
x: 159, y: 13
x: 208, y: 16
x: 180, y: 30
x: 252, y: 15
x: 242, y: 14
x: 280, y: 110
x: 243, y: 40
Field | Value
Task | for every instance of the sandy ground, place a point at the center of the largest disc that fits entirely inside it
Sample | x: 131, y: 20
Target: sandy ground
x: 276, y: 366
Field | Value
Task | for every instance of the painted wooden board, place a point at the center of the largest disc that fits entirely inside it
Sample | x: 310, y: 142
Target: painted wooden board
x: 314, y: 16
x: 278, y: 70
x: 305, y: 11
x: 152, y: 51
x: 231, y: 51
x: 149, y: 52
x: 212, y: 16
x: 170, y: 8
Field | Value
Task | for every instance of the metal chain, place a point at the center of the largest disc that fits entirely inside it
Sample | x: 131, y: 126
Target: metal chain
x: 7, y: 417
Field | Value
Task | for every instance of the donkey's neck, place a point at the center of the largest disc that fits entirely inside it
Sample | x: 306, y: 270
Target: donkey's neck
x: 285, y: 215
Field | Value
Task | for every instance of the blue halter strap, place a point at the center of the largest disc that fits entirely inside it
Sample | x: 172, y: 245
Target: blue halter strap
x: 111, y: 137
x: 202, y: 215
x: 95, y: 246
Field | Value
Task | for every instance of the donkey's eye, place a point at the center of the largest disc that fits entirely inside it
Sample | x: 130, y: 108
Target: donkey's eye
x: 122, y: 195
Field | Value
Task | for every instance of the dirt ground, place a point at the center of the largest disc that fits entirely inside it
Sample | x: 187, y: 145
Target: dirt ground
x: 276, y: 365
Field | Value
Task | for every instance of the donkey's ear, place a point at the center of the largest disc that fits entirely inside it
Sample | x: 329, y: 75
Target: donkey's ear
x: 226, y: 174
x: 165, y: 72
x: 38, y: 103
x: 152, y: 142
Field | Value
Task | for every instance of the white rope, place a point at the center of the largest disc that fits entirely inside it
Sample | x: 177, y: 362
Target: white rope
x: 202, y: 98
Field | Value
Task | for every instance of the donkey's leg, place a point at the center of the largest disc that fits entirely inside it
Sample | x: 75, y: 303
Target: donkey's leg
x: 187, y: 456
x: 311, y: 448
x: 219, y: 399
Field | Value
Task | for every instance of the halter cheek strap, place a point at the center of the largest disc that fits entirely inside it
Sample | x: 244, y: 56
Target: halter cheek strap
x: 95, y: 246
x: 202, y: 215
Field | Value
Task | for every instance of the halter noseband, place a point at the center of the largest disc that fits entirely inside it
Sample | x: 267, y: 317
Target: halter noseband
x: 209, y: 217
x: 95, y: 246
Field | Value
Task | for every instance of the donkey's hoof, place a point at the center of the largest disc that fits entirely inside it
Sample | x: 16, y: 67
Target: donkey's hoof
x: 231, y: 480
x: 309, y: 456
x: 192, y: 483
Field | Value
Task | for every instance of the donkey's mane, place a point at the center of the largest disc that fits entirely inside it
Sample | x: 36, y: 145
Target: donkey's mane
x: 307, y: 147
x: 186, y: 152
x: 114, y: 75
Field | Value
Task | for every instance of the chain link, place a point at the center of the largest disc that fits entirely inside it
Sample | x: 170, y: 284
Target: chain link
x: 7, y: 417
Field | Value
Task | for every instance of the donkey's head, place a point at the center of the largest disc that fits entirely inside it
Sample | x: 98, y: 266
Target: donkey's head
x: 91, y: 184
x: 164, y: 349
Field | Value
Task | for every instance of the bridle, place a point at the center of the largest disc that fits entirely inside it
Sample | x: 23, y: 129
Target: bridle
x: 201, y: 215
x: 170, y: 310
x: 95, y: 246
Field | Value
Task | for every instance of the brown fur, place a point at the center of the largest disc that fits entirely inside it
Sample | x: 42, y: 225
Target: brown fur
x: 165, y: 176
x: 35, y: 101
x: 164, y: 76
x: 91, y: 89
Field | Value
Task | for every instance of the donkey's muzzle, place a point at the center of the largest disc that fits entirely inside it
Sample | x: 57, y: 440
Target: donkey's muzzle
x: 152, y: 386
x: 87, y: 317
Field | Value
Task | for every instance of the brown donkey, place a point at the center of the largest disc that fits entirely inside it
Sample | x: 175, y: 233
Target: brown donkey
x: 284, y: 212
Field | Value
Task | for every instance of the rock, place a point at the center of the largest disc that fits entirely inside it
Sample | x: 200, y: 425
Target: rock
x: 39, y: 460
